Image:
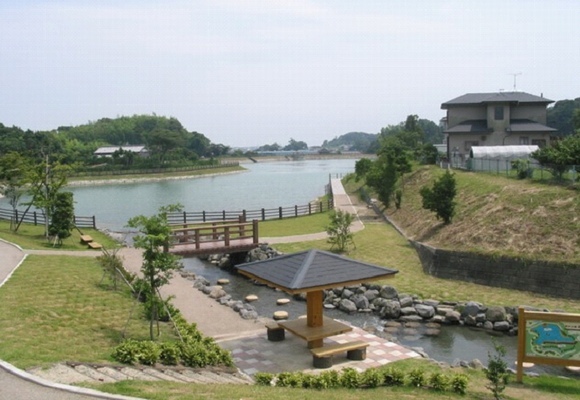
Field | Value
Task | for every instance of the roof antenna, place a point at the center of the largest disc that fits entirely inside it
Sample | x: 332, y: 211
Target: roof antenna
x: 515, y: 76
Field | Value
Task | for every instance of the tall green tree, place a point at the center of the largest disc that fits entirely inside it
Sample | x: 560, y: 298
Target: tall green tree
x: 62, y: 217
x: 46, y: 180
x: 441, y: 197
x: 158, y: 265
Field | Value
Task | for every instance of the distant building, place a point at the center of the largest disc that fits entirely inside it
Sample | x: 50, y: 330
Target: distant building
x: 494, y: 119
x: 107, y: 151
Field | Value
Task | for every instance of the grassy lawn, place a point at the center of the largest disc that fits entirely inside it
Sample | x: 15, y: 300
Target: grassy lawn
x: 380, y: 244
x: 32, y: 237
x: 545, y: 388
x: 53, y: 310
x: 294, y: 226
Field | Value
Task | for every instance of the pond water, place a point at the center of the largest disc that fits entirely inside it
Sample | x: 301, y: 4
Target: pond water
x: 452, y: 344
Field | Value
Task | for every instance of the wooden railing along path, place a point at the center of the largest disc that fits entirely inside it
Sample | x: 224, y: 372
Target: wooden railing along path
x: 213, y: 237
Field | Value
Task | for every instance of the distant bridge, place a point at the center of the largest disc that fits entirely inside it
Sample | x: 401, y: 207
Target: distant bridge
x: 213, y: 238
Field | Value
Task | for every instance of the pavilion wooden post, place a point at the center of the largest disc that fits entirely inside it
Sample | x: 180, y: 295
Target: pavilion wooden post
x: 314, y: 314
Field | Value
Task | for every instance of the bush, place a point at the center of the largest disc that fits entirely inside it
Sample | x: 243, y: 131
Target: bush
x: 350, y: 378
x: 459, y: 383
x: 169, y: 353
x: 440, y: 198
x: 438, y: 381
x: 263, y: 378
x: 372, y: 378
x: 127, y: 352
x: 497, y: 371
x: 289, y: 379
x: 149, y: 352
x: 417, y: 377
x: 393, y: 377
x: 522, y: 168
x: 330, y: 378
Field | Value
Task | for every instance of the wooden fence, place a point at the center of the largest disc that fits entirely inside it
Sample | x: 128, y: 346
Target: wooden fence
x: 37, y: 218
x: 262, y: 214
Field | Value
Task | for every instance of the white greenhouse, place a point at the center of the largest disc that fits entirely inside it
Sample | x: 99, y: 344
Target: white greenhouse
x: 498, y: 158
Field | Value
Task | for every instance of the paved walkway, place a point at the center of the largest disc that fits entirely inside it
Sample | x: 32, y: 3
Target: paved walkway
x: 246, y: 339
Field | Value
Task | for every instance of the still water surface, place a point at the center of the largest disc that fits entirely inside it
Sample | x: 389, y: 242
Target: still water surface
x: 264, y: 185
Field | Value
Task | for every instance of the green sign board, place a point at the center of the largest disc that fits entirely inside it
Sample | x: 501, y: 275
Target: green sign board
x: 551, y: 339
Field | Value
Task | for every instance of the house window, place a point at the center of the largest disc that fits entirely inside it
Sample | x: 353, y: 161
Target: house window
x: 498, y: 115
x: 470, y: 143
x: 524, y: 140
x: 539, y: 142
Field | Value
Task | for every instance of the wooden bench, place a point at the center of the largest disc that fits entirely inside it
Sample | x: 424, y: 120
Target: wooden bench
x: 95, y: 245
x: 322, y: 356
x: 86, y: 239
x: 275, y: 332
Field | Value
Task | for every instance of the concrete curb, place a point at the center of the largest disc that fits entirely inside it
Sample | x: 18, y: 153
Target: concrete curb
x: 59, y: 386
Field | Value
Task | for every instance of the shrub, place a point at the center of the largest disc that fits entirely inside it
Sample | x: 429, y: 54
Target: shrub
x: 497, y: 371
x: 149, y: 352
x: 459, y: 383
x: 169, y: 353
x: 417, y: 377
x: 440, y: 198
x: 263, y: 378
x: 350, y: 378
x: 438, y: 381
x: 289, y: 379
x: 372, y: 378
x: 522, y: 168
x: 331, y: 378
x: 127, y: 352
x: 393, y: 377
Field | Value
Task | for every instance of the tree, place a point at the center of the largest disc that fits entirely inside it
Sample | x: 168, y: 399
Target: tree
x: 46, y: 180
x: 294, y: 145
x: 440, y: 198
x: 338, y: 230
x: 158, y: 265
x: 497, y: 372
x: 13, y: 178
x: 62, y: 217
x: 560, y: 156
x: 362, y: 167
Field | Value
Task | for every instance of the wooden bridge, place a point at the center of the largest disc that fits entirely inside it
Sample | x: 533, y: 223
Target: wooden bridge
x: 213, y: 238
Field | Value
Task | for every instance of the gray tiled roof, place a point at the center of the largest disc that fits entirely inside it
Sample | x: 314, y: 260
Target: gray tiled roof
x: 312, y: 269
x: 499, y: 97
x: 525, y: 125
x: 471, y: 126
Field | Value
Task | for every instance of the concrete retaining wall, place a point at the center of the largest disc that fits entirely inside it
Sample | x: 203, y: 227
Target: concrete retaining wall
x: 551, y: 278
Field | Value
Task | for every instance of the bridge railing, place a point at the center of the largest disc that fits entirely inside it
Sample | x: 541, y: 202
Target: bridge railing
x: 217, y: 233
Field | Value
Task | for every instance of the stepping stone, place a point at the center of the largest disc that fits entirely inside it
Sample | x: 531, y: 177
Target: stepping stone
x: 251, y: 297
x: 223, y: 281
x: 137, y: 374
x: 281, y: 302
x: 278, y: 315
x: 94, y: 374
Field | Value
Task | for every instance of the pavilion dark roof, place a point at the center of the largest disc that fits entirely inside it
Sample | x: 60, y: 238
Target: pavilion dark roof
x: 312, y: 269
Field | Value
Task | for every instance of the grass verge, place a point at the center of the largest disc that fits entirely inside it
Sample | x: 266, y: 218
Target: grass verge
x: 53, y: 309
x: 32, y: 237
x: 295, y: 226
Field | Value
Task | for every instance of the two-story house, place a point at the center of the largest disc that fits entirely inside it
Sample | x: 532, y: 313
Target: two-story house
x: 495, y: 119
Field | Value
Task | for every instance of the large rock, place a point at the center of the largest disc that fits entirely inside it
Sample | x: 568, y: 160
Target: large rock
x: 390, y: 310
x: 217, y: 292
x: 388, y: 292
x: 360, y: 301
x: 502, y: 326
x: 425, y: 311
x: 347, y: 294
x: 200, y: 282
x: 408, y: 311
x: 495, y: 314
x: 347, y: 306
x: 452, y: 317
x: 471, y: 308
x: 245, y: 314
x: 406, y: 301
x: 371, y: 294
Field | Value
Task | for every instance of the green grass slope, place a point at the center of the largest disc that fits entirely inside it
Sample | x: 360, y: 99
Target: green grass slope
x: 496, y: 215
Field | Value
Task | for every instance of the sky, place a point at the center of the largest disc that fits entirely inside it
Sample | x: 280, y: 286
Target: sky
x: 254, y: 72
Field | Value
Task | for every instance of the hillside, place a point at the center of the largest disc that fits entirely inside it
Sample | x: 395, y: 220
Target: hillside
x: 496, y: 215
